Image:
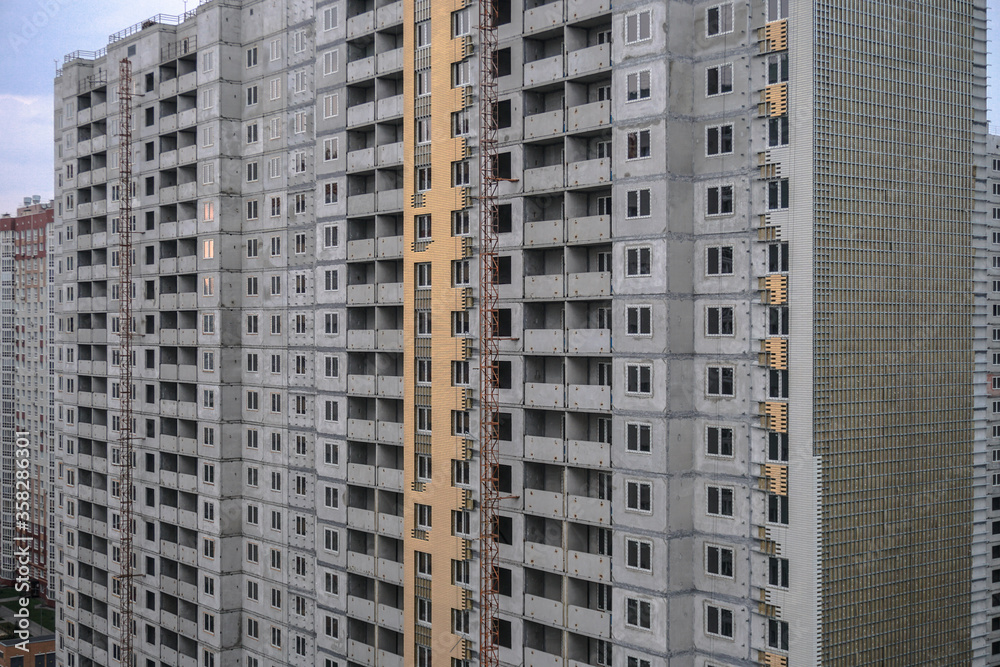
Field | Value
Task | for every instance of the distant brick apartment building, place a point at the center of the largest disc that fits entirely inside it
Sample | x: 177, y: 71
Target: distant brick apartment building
x: 27, y: 382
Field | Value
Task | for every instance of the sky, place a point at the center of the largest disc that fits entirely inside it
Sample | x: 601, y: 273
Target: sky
x: 36, y: 34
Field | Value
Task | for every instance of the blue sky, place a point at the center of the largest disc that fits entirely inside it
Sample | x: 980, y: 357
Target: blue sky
x: 36, y: 34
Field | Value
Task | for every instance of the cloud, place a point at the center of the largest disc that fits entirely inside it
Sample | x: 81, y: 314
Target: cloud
x: 26, y: 149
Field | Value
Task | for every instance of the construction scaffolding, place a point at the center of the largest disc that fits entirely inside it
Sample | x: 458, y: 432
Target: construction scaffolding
x: 489, y: 343
x: 126, y: 456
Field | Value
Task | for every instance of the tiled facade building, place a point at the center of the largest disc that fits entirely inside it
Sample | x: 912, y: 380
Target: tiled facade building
x: 739, y: 393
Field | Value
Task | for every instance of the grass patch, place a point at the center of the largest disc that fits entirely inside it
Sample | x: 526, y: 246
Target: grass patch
x: 38, y: 612
x: 8, y: 592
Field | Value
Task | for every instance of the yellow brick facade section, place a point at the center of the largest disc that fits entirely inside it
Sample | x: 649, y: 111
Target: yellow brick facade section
x: 438, y: 202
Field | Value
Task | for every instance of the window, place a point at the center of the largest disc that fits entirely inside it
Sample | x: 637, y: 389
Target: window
x: 424, y: 468
x: 719, y: 441
x: 274, y: 88
x: 330, y: 236
x: 251, y: 172
x: 638, y: 437
x: 719, y: 80
x: 423, y: 82
x: 330, y: 18
x: 639, y: 496
x: 461, y: 272
x: 461, y: 522
x: 777, y: 258
x: 423, y: 323
x: 639, y: 320
x: 638, y: 613
x: 423, y: 513
x: 460, y: 74
x: 638, y: 262
x: 638, y: 145
x: 423, y: 371
x: 719, y: 621
x: 252, y: 57
x: 331, y: 324
x: 777, y: 447
x: 331, y: 280
x: 720, y: 501
x: 331, y: 148
x: 719, y: 261
x: 638, y: 27
x: 719, y: 321
x: 777, y: 509
x: 777, y: 386
x: 639, y: 554
x: 330, y: 194
x: 777, y: 634
x: 424, y: 422
x: 460, y: 123
x: 423, y: 32
x: 423, y: 611
x: 461, y: 23
x: 331, y: 62
x: 777, y: 195
x: 251, y: 95
x: 460, y: 173
x: 637, y: 203
x: 720, y: 200
x: 719, y: 20
x: 777, y: 572
x: 331, y: 540
x: 638, y: 86
x: 719, y: 560
x: 639, y: 379
x: 777, y: 131
x: 423, y: 227
x: 777, y: 321
x: 460, y: 622
x: 777, y: 68
x: 423, y: 179
x: 720, y: 381
x: 460, y: 223
x: 719, y: 139
x: 777, y: 9
x: 460, y: 323
x: 252, y: 286
x: 331, y: 105
x: 252, y: 209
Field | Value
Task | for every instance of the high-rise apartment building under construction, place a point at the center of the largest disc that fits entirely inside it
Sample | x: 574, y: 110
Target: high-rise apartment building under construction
x: 736, y: 412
